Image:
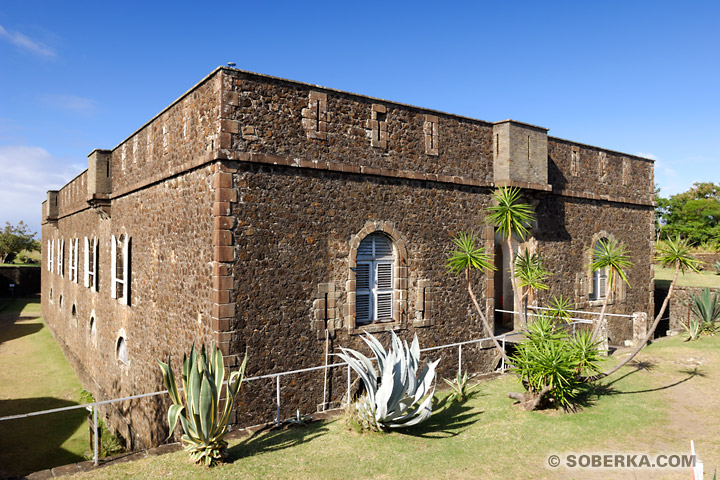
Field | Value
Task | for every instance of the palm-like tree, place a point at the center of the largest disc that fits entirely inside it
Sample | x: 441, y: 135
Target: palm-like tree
x: 611, y: 256
x: 466, y: 258
x: 511, y: 216
x: 531, y: 275
x: 672, y: 253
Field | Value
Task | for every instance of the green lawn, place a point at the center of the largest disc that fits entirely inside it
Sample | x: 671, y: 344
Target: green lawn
x: 663, y: 277
x: 655, y: 407
x: 34, y: 255
x: 34, y: 375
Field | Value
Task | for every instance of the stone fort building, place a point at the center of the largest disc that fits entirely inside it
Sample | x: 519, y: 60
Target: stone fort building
x: 273, y: 217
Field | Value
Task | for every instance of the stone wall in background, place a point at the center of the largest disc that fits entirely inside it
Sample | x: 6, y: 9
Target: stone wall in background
x: 25, y: 280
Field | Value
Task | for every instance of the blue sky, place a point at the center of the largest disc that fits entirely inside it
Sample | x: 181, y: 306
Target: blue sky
x: 638, y: 77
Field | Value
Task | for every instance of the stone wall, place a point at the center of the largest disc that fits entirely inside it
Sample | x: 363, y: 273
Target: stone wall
x: 680, y: 313
x: 25, y: 279
x: 170, y: 226
x: 708, y: 260
x: 246, y: 200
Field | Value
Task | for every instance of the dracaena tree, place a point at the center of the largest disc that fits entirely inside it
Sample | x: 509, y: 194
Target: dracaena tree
x: 511, y: 217
x: 466, y: 258
x: 672, y: 253
x: 613, y: 257
x: 531, y: 276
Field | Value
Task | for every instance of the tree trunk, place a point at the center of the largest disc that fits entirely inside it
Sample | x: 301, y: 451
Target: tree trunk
x: 484, y: 318
x: 596, y: 329
x: 513, y: 283
x: 652, y: 328
x: 529, y: 400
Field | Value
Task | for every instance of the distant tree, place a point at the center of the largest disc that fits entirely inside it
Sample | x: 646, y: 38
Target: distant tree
x: 693, y: 215
x: 15, y: 239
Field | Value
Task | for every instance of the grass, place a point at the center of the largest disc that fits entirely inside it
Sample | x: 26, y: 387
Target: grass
x: 34, y: 375
x: 663, y: 277
x: 34, y: 255
x: 488, y: 436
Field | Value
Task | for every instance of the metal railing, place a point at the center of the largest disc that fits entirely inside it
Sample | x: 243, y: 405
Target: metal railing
x: 93, y: 407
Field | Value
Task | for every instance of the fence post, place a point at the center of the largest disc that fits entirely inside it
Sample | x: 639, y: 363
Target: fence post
x: 459, y: 360
x: 277, y: 386
x: 502, y: 359
x: 348, y: 386
x: 95, y: 436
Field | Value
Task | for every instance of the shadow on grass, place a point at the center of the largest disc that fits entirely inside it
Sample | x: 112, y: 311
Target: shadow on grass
x: 449, y: 419
x: 607, y: 389
x: 36, y: 443
x: 11, y: 315
x: 271, y: 439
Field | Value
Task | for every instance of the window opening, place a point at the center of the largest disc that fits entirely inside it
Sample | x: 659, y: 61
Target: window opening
x: 374, y: 280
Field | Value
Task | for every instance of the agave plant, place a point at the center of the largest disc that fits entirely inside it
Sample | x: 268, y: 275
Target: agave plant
x: 201, y: 416
x: 716, y: 266
x: 401, y: 398
x: 460, y: 388
x: 706, y: 307
x: 693, y: 330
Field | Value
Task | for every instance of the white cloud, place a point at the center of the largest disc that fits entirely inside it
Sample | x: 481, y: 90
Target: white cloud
x: 26, y: 43
x: 27, y: 174
x: 647, y: 155
x: 73, y: 103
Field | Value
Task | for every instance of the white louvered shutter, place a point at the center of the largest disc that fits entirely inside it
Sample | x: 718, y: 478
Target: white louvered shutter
x: 126, y: 270
x: 363, y: 293
x: 113, y: 266
x: 602, y: 284
x: 383, y: 291
x: 374, y: 280
x: 95, y: 248
x: 86, y: 262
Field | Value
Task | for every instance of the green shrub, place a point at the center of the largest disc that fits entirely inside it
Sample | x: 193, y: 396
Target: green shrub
x: 550, y: 360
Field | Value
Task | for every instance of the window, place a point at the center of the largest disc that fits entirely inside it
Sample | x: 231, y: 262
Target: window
x: 74, y: 243
x: 90, y: 257
x: 119, y: 268
x: 93, y: 328
x: 60, y: 257
x: 599, y: 278
x: 121, y: 350
x: 50, y: 255
x: 374, y: 280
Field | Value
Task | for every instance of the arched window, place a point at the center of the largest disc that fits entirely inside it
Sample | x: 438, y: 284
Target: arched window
x: 374, y: 280
x: 599, y: 277
x: 93, y: 328
x: 121, y: 350
x: 120, y: 268
x: 91, y: 256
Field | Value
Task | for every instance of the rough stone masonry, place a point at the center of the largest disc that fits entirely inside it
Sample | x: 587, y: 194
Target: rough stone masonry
x: 252, y: 212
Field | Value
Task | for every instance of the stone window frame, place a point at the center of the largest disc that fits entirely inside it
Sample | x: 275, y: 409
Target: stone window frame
x: 431, y: 132
x: 123, y: 280
x: 575, y: 161
x: 400, y: 279
x: 617, y: 294
x: 90, y: 274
